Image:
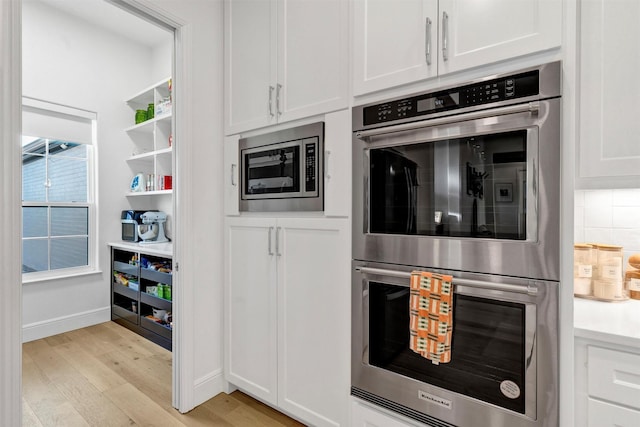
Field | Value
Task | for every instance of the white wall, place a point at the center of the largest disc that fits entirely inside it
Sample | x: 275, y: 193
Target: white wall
x: 610, y: 217
x: 70, y: 62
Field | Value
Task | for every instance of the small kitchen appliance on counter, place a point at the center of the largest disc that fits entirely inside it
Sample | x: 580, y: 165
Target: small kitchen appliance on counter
x: 151, y: 228
x: 130, y: 220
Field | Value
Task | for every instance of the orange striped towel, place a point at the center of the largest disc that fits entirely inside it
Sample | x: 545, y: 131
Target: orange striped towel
x: 431, y: 315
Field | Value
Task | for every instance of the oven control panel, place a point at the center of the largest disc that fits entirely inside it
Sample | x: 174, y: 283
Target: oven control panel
x: 310, y: 165
x: 487, y: 92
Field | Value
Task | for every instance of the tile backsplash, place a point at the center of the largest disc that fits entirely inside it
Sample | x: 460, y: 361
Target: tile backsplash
x: 608, y: 216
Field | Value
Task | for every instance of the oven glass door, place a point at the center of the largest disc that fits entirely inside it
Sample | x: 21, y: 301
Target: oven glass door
x: 488, y: 358
x: 472, y: 186
x: 272, y: 171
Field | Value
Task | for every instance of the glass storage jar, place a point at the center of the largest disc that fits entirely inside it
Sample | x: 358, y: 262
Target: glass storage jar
x: 582, y: 268
x: 609, y: 281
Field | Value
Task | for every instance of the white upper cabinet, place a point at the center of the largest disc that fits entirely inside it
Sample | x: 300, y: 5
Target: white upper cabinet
x: 400, y: 42
x: 608, y: 149
x: 395, y: 42
x: 284, y: 60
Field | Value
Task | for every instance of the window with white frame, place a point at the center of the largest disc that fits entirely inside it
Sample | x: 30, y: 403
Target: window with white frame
x: 58, y: 211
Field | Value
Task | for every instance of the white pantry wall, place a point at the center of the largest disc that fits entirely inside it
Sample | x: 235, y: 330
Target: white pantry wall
x: 70, y: 62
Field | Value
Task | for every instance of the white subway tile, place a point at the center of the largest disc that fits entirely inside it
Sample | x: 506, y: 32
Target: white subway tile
x: 598, y: 210
x: 578, y: 220
x: 628, y: 238
x: 598, y: 235
x: 626, y: 197
x: 578, y: 198
x: 626, y: 217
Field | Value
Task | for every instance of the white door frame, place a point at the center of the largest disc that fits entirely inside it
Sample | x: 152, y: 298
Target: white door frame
x: 10, y: 214
x: 183, y: 298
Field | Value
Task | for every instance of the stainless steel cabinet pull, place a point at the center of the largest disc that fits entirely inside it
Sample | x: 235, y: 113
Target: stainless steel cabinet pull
x: 278, y: 241
x: 278, y: 90
x: 427, y: 41
x: 445, y: 34
x: 326, y: 164
x: 233, y: 174
x: 270, y: 231
x: 271, y: 89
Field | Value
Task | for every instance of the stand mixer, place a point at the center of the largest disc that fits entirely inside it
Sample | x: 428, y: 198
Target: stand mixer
x: 152, y: 228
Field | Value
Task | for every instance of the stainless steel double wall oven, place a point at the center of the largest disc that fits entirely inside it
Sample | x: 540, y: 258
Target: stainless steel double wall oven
x: 462, y: 181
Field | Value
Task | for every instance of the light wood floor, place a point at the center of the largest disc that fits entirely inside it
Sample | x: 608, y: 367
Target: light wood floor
x: 106, y: 375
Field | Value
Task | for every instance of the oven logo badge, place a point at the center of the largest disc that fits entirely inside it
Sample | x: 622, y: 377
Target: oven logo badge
x: 510, y: 389
x: 434, y: 399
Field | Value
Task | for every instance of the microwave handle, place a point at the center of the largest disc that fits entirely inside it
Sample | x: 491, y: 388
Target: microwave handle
x: 530, y: 289
x: 531, y: 107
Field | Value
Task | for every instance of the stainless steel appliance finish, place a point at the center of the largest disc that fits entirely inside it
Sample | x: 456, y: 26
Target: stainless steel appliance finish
x: 443, y: 220
x: 462, y: 181
x: 283, y: 170
x: 484, y: 387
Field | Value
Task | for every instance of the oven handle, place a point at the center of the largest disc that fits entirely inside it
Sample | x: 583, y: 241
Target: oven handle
x: 531, y: 107
x: 529, y: 289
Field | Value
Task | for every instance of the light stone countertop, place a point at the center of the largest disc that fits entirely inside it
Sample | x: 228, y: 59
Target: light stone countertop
x: 612, y: 322
x: 158, y: 249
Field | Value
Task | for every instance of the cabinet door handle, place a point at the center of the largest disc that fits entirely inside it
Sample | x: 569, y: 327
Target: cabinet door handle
x: 270, y: 232
x: 445, y: 36
x: 326, y: 164
x: 233, y: 174
x: 271, y: 89
x: 278, y: 90
x: 278, y: 241
x: 427, y: 40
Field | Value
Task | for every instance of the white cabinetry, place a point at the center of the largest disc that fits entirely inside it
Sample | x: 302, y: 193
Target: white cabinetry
x: 284, y: 60
x: 151, y: 152
x: 402, y: 42
x: 607, y: 384
x: 609, y: 152
x: 288, y: 314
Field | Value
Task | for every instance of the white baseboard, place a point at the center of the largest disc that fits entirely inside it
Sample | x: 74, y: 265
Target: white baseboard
x: 208, y: 386
x: 47, y: 328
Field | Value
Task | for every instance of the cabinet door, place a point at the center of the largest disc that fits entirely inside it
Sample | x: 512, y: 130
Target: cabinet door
x: 609, y: 88
x: 231, y: 176
x: 603, y: 414
x: 395, y: 43
x: 250, y: 288
x: 250, y: 64
x: 474, y: 33
x: 337, y: 164
x: 314, y: 319
x: 313, y: 42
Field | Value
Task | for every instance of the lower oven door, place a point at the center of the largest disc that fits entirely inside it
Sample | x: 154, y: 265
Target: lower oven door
x: 504, y: 362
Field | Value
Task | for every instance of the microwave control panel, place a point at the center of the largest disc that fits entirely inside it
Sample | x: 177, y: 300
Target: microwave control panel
x: 310, y: 167
x: 490, y: 91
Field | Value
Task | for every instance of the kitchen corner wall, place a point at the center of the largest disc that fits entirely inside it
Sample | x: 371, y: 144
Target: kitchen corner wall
x: 608, y: 216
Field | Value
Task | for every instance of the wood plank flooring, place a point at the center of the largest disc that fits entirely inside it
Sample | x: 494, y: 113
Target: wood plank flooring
x: 105, y: 375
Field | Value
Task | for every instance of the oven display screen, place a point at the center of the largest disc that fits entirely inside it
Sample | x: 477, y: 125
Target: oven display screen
x: 438, y: 102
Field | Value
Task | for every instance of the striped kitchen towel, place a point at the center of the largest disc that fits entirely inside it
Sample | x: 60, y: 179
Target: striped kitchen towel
x: 431, y: 315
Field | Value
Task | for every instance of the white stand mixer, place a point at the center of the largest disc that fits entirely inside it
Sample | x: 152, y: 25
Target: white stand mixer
x: 152, y: 228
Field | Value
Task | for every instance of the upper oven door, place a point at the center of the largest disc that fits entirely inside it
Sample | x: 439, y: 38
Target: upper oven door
x: 474, y: 192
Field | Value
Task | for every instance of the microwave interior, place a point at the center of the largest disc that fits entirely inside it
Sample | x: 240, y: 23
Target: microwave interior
x: 473, y: 186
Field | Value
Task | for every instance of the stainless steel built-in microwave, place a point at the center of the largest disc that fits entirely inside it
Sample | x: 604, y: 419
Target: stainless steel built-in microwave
x: 282, y: 171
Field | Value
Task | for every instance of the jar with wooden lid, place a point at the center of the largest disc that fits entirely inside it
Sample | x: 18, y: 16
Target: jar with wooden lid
x: 582, y: 268
x: 632, y: 277
x: 609, y: 281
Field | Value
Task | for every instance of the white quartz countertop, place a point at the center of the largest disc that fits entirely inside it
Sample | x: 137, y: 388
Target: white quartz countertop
x: 159, y: 249
x: 613, y: 322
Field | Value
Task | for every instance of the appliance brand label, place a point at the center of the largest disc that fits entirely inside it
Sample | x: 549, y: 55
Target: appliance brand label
x: 510, y: 389
x: 434, y: 399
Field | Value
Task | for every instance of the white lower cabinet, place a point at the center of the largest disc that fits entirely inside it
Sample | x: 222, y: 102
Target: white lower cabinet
x: 287, y: 337
x: 607, y: 384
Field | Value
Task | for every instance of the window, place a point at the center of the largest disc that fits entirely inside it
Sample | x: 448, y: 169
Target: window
x: 57, y: 192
